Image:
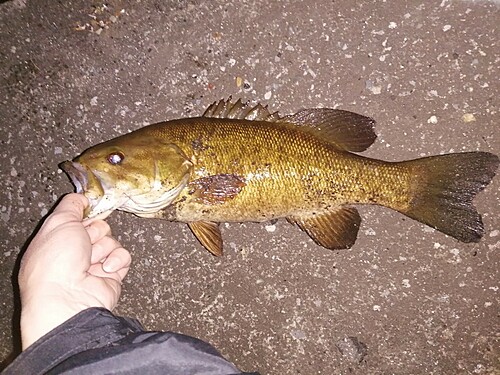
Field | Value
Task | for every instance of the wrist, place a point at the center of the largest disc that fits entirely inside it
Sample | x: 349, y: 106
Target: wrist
x: 43, y: 313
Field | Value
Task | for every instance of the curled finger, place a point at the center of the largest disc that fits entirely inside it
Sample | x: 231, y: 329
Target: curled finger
x: 97, y: 230
x: 102, y: 248
x: 117, y: 261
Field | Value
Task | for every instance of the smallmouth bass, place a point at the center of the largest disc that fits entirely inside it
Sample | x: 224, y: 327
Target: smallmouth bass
x: 240, y: 163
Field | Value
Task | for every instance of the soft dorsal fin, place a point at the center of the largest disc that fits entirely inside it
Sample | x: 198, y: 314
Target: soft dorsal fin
x: 346, y: 130
x: 240, y: 111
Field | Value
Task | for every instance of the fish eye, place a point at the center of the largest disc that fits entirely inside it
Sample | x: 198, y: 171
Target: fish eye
x: 115, y: 158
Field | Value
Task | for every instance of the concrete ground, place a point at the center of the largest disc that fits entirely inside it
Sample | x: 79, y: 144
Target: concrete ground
x: 404, y: 300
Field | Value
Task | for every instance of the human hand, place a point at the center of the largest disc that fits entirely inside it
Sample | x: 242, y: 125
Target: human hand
x: 69, y: 266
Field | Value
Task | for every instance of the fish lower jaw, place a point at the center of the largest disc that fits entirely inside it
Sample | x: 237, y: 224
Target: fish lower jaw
x: 78, y: 186
x: 148, y: 204
x: 141, y: 205
x: 103, y: 206
x: 144, y: 207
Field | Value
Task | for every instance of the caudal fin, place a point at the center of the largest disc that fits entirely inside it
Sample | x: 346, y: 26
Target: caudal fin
x: 444, y: 188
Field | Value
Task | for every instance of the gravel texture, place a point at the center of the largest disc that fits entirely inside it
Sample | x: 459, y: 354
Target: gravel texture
x: 404, y: 300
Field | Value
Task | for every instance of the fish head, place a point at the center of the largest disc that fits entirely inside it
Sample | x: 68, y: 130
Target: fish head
x: 134, y: 174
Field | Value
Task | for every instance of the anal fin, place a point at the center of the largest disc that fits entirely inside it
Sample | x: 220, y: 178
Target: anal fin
x: 335, y: 229
x: 208, y: 233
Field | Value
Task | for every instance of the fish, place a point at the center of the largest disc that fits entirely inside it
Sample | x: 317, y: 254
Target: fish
x: 240, y: 162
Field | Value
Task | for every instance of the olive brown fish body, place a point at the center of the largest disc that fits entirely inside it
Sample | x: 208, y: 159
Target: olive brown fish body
x: 282, y: 172
x: 238, y: 163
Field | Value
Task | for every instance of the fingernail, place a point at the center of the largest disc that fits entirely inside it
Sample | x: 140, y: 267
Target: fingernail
x: 110, y: 265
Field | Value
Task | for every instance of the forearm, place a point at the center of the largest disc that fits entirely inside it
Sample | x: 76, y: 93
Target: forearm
x: 96, y: 341
x: 90, y: 329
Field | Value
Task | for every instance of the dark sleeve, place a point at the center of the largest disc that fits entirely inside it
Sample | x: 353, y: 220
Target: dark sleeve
x: 97, y: 342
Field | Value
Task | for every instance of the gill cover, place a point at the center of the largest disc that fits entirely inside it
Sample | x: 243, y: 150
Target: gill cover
x: 172, y: 170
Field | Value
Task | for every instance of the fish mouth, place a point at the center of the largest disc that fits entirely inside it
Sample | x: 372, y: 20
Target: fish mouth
x: 77, y: 174
x: 105, y: 195
x: 86, y: 183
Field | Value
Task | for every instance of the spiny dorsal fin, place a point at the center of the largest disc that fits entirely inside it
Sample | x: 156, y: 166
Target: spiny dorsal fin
x: 240, y: 111
x: 336, y: 229
x: 346, y: 130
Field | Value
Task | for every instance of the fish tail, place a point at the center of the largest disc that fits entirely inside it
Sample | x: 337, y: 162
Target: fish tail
x: 443, y: 189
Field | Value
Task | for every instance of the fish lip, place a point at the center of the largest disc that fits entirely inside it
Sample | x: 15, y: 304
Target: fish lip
x: 86, y: 182
x: 77, y: 174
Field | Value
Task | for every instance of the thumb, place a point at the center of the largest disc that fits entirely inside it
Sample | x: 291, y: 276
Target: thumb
x: 72, y: 205
x: 69, y: 209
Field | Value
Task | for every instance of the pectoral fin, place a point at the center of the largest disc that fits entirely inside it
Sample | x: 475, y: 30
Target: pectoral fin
x: 336, y: 229
x: 208, y: 233
x: 215, y: 189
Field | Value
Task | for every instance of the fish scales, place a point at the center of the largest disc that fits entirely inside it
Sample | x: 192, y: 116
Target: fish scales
x: 281, y: 166
x: 240, y: 163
